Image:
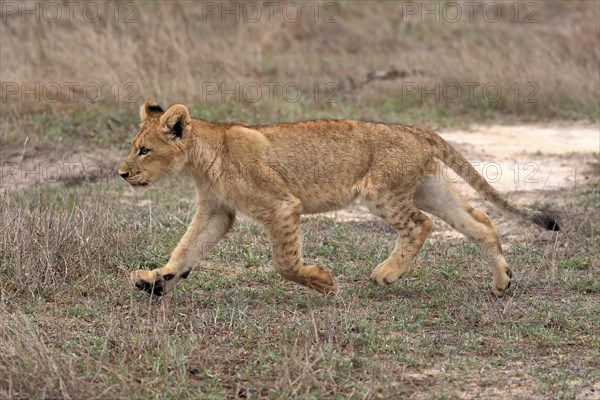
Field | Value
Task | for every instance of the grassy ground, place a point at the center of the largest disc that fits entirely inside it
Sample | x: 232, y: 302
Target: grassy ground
x: 71, y: 325
x: 371, y: 61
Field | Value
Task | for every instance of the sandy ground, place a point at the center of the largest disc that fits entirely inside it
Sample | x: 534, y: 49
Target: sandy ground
x: 528, y: 163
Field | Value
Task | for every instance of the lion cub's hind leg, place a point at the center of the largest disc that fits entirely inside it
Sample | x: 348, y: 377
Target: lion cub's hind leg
x: 437, y: 196
x: 413, y: 227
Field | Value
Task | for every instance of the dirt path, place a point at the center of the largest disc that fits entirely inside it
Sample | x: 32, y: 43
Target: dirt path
x: 529, y: 163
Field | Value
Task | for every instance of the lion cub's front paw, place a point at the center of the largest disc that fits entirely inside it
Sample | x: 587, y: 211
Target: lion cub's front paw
x: 149, y: 281
x: 319, y: 279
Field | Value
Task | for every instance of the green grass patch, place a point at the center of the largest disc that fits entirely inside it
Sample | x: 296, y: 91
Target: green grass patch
x: 72, y: 322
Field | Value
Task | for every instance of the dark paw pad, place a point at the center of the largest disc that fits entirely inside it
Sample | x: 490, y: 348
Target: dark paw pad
x: 168, y: 277
x: 509, y: 273
x: 185, y: 274
x: 155, y: 289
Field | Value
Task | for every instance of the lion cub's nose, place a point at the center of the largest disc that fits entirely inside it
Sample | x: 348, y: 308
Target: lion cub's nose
x: 124, y: 175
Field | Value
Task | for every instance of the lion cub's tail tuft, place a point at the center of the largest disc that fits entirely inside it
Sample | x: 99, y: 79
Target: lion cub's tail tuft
x: 545, y: 221
x: 452, y: 158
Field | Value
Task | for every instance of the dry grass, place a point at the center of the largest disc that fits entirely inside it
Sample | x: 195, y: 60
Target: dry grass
x: 170, y: 58
x: 71, y: 325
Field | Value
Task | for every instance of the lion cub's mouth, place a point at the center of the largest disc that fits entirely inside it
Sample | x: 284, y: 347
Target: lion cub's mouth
x: 139, y: 183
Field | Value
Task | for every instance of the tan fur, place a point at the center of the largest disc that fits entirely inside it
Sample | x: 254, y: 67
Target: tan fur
x: 276, y: 173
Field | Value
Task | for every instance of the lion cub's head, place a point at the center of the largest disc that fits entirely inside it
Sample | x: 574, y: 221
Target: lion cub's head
x: 158, y: 149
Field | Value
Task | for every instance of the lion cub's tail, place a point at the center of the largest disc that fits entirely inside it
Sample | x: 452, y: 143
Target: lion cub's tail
x: 452, y: 158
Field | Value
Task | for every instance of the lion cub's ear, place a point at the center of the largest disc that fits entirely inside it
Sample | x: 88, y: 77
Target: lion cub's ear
x: 175, y: 120
x: 150, y: 109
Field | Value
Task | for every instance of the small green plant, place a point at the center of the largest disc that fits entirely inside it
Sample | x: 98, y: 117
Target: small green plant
x: 449, y: 272
x: 577, y: 263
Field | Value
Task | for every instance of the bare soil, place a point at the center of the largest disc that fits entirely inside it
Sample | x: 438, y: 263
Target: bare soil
x: 531, y: 164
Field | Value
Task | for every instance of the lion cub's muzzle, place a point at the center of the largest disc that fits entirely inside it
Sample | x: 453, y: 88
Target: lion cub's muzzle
x: 133, y: 180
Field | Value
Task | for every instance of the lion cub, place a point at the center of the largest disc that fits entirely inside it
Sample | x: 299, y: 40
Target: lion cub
x: 275, y: 173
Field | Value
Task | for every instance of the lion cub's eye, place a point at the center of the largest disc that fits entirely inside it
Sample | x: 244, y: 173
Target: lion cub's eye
x: 143, y: 151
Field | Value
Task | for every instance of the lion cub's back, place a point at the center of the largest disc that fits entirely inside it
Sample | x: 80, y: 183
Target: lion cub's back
x: 342, y: 142
x: 323, y: 162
